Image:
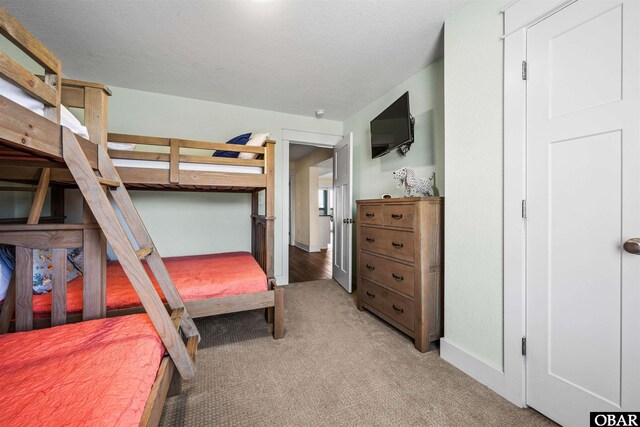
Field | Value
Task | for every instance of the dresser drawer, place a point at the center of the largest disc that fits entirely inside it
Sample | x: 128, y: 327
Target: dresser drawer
x: 388, y: 303
x: 370, y: 214
x: 398, y: 215
x: 399, y: 277
x: 392, y: 243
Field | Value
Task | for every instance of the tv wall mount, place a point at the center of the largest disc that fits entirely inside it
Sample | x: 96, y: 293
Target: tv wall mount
x: 404, y: 148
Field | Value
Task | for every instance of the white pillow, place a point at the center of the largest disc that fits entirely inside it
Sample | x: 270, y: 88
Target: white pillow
x: 121, y: 146
x: 67, y: 119
x: 256, y: 140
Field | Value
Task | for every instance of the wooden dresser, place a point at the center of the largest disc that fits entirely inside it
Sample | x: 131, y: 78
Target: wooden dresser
x: 400, y: 246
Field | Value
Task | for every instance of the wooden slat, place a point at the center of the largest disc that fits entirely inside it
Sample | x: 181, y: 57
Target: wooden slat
x: 142, y: 253
x: 269, y: 173
x: 138, y: 139
x: 17, y: 74
x: 15, y: 32
x: 222, y: 179
x: 38, y: 198
x: 26, y: 130
x: 45, y: 227
x: 59, y: 287
x: 90, y: 151
x: 42, y: 239
x: 110, y: 224
x: 203, y: 145
x: 153, y: 409
x: 93, y: 254
x: 53, y: 112
x: 221, y: 161
x: 108, y: 182
x: 24, y: 289
x: 176, y: 316
x: 138, y: 155
x: 80, y: 84
x: 174, y: 162
x: 229, y: 304
x: 72, y: 97
x: 96, y: 114
x: 8, y: 306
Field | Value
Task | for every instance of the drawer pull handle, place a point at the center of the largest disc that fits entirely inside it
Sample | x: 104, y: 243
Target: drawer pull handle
x: 370, y: 215
x: 398, y: 278
x: 396, y: 216
x: 397, y: 245
x: 398, y: 309
x: 370, y: 239
x: 370, y: 267
x: 370, y: 295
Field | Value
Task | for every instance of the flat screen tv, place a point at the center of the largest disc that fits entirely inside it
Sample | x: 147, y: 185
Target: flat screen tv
x: 393, y: 128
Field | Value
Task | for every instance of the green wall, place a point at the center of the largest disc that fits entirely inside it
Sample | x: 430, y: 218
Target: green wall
x: 373, y: 177
x: 474, y: 176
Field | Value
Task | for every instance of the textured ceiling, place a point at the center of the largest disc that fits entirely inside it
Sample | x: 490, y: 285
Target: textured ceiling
x: 281, y: 55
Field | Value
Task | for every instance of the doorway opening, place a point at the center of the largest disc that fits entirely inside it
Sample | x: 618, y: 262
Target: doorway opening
x: 310, y: 212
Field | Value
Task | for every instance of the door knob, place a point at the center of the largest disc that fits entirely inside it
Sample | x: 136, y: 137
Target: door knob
x: 632, y: 246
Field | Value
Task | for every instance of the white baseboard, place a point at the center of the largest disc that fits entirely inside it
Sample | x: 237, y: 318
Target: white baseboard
x: 481, y: 371
x: 307, y: 248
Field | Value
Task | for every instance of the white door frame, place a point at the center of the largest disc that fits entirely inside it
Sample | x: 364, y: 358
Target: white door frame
x: 519, y: 16
x: 292, y: 207
x: 304, y: 138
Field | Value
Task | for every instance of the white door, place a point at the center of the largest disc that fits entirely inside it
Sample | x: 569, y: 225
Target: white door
x: 342, y: 211
x: 583, y: 203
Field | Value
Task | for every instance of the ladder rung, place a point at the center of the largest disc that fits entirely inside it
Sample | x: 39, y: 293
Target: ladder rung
x: 176, y: 316
x: 142, y: 253
x: 108, y: 182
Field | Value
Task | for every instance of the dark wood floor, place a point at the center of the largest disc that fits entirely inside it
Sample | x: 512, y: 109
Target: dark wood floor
x: 306, y: 266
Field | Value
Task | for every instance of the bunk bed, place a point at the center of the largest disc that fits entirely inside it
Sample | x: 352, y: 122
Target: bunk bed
x: 174, y: 164
x: 126, y: 362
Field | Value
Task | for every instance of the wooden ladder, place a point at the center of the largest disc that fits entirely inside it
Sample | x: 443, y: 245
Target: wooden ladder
x: 130, y: 252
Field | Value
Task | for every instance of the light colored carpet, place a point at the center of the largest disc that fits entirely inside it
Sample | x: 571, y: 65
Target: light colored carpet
x: 335, y: 366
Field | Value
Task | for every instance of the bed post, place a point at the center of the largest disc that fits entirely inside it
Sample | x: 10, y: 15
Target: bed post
x: 275, y: 314
x: 96, y: 114
x: 94, y: 304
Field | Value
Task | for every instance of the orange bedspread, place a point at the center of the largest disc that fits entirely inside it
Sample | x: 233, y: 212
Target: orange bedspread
x: 196, y: 277
x: 95, y: 373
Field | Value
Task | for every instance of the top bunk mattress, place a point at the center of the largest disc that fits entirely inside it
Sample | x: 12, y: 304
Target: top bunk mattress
x: 98, y: 372
x: 196, y: 277
x: 199, y: 167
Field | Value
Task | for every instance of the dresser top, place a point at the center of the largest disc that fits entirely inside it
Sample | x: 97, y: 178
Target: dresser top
x: 432, y: 199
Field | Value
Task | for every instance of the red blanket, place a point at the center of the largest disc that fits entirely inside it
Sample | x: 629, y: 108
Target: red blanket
x: 196, y: 277
x: 96, y: 373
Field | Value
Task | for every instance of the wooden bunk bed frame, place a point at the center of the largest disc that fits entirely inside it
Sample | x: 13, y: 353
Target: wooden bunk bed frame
x: 21, y: 166
x: 29, y: 139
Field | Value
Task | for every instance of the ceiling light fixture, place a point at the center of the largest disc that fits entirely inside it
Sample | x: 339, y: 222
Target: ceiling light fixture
x: 319, y: 114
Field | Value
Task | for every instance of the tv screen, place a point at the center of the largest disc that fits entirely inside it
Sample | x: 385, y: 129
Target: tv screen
x: 391, y: 128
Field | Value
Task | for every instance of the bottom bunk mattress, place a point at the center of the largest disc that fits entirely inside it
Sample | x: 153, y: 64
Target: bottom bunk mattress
x: 196, y: 277
x: 98, y: 372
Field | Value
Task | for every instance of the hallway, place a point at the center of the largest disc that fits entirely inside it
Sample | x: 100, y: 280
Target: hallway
x: 306, y: 266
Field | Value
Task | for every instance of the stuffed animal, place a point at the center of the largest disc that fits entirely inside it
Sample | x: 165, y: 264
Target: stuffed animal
x: 413, y: 185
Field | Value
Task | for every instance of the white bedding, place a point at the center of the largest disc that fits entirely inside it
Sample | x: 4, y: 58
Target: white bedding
x: 17, y: 95
x: 200, y: 167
